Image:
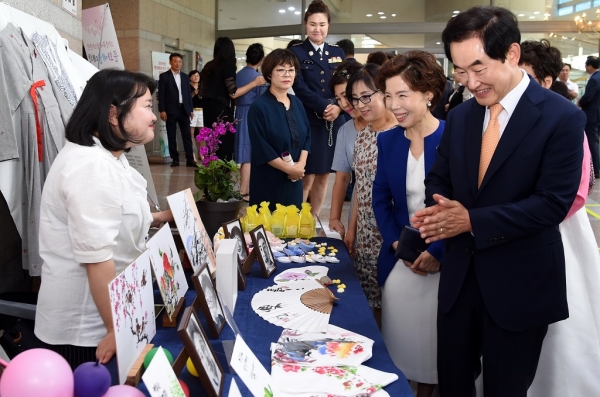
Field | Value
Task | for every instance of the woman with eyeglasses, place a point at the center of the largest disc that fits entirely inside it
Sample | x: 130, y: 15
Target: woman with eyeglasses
x: 343, y: 158
x: 278, y: 127
x: 318, y: 60
x: 363, y: 238
x: 412, y: 83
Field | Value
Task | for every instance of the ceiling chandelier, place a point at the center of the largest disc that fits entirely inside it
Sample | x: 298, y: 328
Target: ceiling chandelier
x: 588, y: 27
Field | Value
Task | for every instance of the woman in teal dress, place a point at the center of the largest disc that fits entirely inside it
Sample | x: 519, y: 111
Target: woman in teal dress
x: 277, y: 124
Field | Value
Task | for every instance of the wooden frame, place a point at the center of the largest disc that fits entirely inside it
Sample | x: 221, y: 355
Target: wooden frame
x: 233, y: 229
x: 201, y: 352
x: 208, y: 300
x: 262, y: 248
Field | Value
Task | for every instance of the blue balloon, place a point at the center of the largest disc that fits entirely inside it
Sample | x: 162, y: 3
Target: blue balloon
x: 91, y: 380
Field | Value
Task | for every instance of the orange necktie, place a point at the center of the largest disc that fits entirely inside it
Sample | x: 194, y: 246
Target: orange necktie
x: 489, y: 142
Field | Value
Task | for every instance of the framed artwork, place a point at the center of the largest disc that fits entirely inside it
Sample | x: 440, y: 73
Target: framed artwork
x: 195, y: 240
x: 201, y: 352
x: 132, y: 305
x: 167, y: 268
x: 263, y: 250
x: 233, y: 230
x: 210, y: 303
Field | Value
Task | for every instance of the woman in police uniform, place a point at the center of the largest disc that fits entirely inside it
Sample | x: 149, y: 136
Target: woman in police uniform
x: 318, y: 60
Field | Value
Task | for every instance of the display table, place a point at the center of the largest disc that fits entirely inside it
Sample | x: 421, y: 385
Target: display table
x: 351, y: 312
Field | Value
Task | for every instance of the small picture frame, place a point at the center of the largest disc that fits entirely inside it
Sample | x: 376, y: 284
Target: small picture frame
x: 209, y: 301
x: 233, y: 229
x: 262, y: 248
x: 201, y: 353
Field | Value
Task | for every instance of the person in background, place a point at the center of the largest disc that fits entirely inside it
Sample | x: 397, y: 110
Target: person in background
x: 254, y: 57
x: 293, y: 42
x: 440, y: 109
x: 515, y: 150
x: 219, y: 89
x: 564, y: 75
x: 413, y: 83
x: 277, y: 125
x: 590, y: 104
x: 343, y: 159
x: 363, y: 238
x: 175, y: 107
x: 94, y: 216
x: 196, y: 121
x: 570, y: 357
x: 348, y: 47
x: 378, y: 57
x: 461, y: 94
x: 318, y: 60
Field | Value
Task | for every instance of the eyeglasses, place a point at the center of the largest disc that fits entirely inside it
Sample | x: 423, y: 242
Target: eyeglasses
x: 342, y: 73
x: 283, y: 72
x: 364, y: 98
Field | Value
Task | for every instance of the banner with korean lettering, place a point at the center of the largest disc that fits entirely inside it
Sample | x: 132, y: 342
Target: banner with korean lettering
x: 100, y: 38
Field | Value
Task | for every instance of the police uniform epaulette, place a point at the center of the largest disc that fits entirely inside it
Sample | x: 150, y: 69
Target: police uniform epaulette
x: 294, y: 45
x: 332, y: 45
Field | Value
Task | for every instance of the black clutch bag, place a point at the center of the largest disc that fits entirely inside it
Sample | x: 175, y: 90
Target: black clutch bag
x: 410, y: 244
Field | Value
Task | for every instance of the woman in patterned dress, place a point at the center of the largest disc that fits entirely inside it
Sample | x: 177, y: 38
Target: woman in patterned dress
x: 363, y: 238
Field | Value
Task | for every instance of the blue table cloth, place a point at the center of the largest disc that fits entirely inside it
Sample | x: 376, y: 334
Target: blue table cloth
x: 351, y: 312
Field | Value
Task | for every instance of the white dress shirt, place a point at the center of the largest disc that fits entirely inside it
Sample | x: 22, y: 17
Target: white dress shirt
x: 177, y: 76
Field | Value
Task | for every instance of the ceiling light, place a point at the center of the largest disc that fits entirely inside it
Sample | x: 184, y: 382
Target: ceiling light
x: 291, y: 8
x: 297, y: 12
x: 369, y: 15
x: 381, y: 13
x: 455, y: 12
x: 438, y: 42
x: 536, y: 12
x: 521, y: 15
x: 532, y: 17
x: 393, y: 15
x: 281, y: 11
x: 383, y: 17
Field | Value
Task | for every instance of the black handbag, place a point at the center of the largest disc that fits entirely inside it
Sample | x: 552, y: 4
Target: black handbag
x: 410, y: 244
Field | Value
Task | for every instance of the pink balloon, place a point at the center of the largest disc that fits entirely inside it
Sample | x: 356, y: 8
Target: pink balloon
x: 122, y: 391
x: 37, y: 372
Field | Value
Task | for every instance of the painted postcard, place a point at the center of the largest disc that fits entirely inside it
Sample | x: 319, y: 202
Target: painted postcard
x: 159, y: 378
x: 250, y: 370
x: 196, y: 241
x: 167, y: 268
x: 132, y: 303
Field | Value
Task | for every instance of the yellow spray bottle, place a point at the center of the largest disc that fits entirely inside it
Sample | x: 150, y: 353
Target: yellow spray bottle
x: 307, y: 222
x: 264, y: 215
x: 278, y: 221
x: 292, y: 220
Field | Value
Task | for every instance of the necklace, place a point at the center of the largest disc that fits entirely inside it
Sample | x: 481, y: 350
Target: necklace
x: 329, y: 128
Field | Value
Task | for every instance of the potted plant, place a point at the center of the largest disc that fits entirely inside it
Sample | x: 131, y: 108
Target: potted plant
x: 218, y: 198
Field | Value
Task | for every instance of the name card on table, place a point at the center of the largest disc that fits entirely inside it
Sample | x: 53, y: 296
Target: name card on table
x: 227, y: 272
x: 250, y: 370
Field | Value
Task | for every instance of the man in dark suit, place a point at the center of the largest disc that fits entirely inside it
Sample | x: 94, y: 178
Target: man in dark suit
x: 590, y: 104
x: 175, y: 107
x: 507, y: 171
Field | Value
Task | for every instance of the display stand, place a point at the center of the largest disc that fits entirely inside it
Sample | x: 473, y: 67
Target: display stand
x: 180, y: 361
x: 172, y: 322
x: 135, y: 373
x: 249, y: 262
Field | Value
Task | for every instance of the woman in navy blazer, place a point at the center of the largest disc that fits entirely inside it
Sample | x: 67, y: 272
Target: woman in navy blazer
x: 413, y: 84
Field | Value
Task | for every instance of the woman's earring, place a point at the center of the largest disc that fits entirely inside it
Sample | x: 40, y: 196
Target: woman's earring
x: 428, y: 104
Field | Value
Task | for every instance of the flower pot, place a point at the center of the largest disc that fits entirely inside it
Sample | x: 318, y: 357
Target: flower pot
x: 214, y: 214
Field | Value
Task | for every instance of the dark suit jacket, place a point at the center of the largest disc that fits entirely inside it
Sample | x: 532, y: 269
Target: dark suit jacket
x: 168, y: 94
x: 311, y: 85
x: 590, y: 101
x: 389, y: 193
x: 527, y: 191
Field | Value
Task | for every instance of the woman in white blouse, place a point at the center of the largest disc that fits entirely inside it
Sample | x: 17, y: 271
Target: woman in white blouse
x: 94, y: 215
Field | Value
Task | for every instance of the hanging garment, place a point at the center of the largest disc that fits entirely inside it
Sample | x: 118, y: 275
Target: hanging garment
x: 38, y: 127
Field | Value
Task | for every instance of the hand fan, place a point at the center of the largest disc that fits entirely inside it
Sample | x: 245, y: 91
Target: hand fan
x: 303, y: 305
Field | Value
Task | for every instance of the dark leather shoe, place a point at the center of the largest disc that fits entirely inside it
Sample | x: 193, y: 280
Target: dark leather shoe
x: 191, y: 164
x: 175, y: 163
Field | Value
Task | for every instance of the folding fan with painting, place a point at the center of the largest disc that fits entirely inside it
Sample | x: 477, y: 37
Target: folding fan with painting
x: 302, y: 305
